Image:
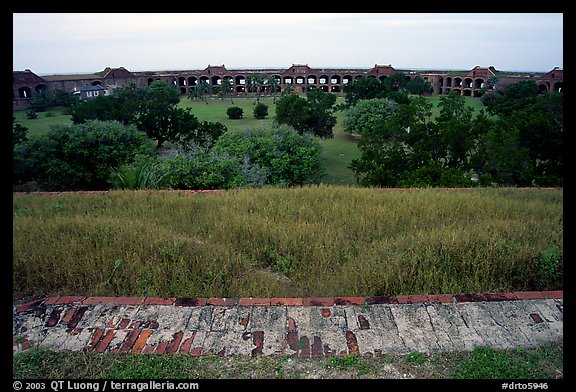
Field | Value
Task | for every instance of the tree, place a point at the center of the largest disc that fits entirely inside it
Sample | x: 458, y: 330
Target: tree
x: 256, y: 84
x: 539, y: 121
x: 226, y: 89
x: 455, y: 129
x: 419, y: 86
x: 200, y: 91
x: 364, y: 88
x: 274, y: 84
x: 395, y: 82
x: 78, y: 156
x: 159, y: 117
x: 322, y: 119
x: 123, y: 105
x: 314, y: 114
x: 288, y: 89
x: 64, y: 98
x: 293, y: 110
x: 41, y: 102
x: 166, y: 123
x: 366, y: 114
x: 500, y: 159
x: 288, y: 157
x: 19, y: 133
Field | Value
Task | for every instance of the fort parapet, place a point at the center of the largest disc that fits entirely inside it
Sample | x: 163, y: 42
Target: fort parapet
x: 26, y: 85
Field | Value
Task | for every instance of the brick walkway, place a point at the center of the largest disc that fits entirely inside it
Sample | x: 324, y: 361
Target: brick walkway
x: 304, y: 327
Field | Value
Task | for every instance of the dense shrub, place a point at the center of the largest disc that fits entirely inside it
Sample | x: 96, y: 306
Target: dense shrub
x: 260, y: 111
x: 235, y: 112
x: 206, y: 169
x: 288, y: 157
x: 78, y: 157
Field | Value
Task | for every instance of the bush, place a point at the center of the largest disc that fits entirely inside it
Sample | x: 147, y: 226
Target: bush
x: 235, y: 112
x: 78, y: 157
x: 206, y: 169
x: 288, y: 157
x: 260, y: 110
x: 137, y: 175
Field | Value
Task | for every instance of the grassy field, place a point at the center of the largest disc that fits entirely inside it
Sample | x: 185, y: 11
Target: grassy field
x: 337, y: 152
x: 297, y: 242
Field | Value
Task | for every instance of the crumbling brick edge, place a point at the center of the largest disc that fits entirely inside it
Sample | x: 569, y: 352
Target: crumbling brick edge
x: 296, y: 301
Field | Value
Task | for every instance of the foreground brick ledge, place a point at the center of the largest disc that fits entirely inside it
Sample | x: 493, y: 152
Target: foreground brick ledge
x: 293, y: 301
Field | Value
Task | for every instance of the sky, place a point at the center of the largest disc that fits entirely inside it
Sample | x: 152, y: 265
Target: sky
x: 65, y: 43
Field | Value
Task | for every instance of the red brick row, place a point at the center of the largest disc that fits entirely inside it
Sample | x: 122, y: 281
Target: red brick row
x: 307, y: 301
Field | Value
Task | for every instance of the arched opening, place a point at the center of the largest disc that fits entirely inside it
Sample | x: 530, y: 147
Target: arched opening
x: 24, y: 92
x: 542, y: 88
x: 478, y: 83
x: 40, y: 87
x: 558, y: 86
x: 216, y: 80
x: 192, y: 81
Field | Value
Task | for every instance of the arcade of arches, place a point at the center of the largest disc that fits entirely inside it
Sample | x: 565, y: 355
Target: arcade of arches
x: 299, y: 77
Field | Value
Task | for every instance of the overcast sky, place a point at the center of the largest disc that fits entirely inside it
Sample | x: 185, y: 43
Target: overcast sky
x: 60, y: 43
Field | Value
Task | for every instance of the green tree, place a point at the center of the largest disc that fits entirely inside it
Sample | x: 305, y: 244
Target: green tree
x: 64, y: 98
x: 455, y: 128
x: 226, y: 89
x: 123, y: 105
x: 201, y: 91
x: 19, y: 132
x: 161, y: 120
x: 256, y: 83
x: 78, y: 156
x: 313, y: 114
x: 41, y: 102
x: 274, y: 85
x: 499, y: 158
x: 539, y: 121
x: 366, y: 114
x: 364, y: 88
x: 289, y: 158
x: 419, y: 86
